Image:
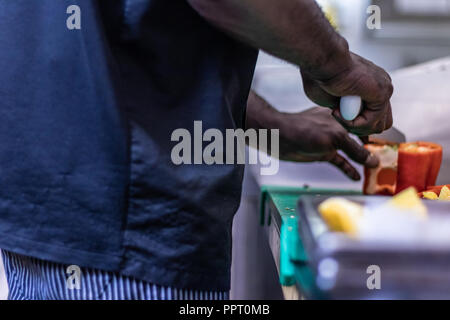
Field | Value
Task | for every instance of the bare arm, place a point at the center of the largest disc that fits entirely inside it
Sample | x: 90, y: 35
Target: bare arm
x: 294, y: 30
x: 298, y: 32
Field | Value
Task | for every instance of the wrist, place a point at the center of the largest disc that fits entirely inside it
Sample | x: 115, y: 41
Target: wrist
x: 260, y: 114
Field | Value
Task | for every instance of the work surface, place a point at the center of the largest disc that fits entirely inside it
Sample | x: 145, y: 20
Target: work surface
x: 420, y: 103
x: 315, y: 264
x: 279, y: 217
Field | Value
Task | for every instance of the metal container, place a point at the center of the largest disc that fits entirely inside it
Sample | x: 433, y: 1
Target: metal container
x: 353, y: 268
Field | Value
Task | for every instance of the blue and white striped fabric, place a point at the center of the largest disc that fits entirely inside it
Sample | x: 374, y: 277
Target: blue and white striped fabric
x: 33, y: 279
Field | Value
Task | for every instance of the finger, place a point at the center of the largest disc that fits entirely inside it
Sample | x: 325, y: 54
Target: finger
x: 379, y: 126
x: 350, y: 125
x: 319, y: 96
x: 361, y: 126
x: 338, y: 116
x: 384, y: 124
x: 364, y: 139
x: 342, y: 164
x: 389, y: 118
x: 357, y: 152
x: 373, y: 118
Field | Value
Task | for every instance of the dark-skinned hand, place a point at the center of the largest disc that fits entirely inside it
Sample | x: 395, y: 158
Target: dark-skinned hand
x: 314, y: 135
x: 361, y: 78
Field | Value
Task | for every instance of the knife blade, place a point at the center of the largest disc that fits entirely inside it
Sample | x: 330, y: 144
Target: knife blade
x: 393, y: 135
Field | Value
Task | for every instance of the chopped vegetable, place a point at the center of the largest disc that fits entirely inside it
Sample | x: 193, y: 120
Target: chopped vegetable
x: 436, y: 193
x: 341, y: 215
x: 418, y: 165
x: 382, y: 180
x: 445, y: 194
x: 430, y: 195
x: 410, y: 201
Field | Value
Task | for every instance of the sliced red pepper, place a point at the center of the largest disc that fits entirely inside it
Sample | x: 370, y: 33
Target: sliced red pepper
x: 418, y: 165
x: 436, y: 162
x: 382, y: 180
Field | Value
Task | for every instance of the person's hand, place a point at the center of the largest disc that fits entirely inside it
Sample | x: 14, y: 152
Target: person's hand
x: 314, y: 135
x: 361, y: 78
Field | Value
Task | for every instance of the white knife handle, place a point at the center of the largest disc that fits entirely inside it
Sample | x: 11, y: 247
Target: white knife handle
x: 350, y: 107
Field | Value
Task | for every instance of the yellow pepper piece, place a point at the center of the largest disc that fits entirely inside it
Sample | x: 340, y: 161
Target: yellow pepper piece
x: 430, y: 195
x: 409, y: 200
x: 445, y: 194
x: 341, y: 215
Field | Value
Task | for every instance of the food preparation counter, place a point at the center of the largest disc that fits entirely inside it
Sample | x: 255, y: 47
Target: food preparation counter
x: 314, y: 263
x: 279, y: 218
x: 422, y: 91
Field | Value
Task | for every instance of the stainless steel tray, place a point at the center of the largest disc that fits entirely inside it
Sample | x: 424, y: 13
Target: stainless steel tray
x: 343, y: 266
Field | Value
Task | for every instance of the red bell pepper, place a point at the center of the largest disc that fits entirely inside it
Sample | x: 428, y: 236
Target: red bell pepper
x: 382, y: 180
x: 418, y: 165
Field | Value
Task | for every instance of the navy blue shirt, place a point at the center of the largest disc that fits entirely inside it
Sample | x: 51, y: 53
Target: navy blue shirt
x: 86, y: 118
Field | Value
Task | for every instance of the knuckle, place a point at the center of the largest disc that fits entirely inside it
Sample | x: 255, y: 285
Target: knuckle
x: 339, y: 138
x: 379, y: 128
x: 364, y: 154
x: 339, y: 161
x: 389, y: 124
x: 390, y: 90
x: 341, y: 135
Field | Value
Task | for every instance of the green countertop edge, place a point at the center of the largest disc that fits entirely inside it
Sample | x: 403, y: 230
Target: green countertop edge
x: 293, y: 257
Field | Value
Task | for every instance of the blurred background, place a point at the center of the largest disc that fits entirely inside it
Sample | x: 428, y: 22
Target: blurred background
x: 413, y: 44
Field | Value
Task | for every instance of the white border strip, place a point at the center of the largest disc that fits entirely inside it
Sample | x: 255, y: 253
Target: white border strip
x: 3, y: 283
